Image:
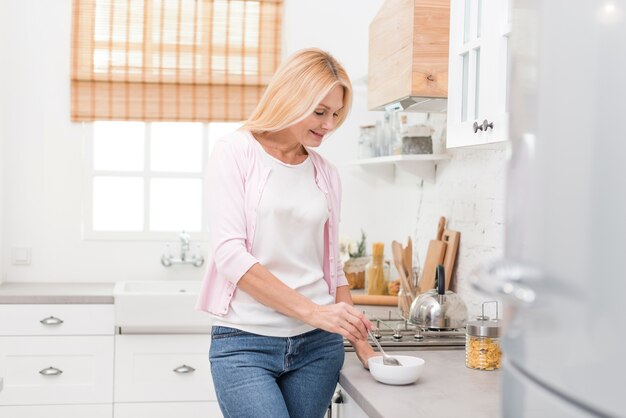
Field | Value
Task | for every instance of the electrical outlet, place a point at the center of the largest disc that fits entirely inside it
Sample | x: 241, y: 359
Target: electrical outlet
x: 21, y: 256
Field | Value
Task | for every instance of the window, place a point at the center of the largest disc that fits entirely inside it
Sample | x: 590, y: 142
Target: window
x: 145, y: 180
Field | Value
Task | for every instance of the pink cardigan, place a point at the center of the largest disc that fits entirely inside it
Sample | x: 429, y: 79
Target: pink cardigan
x: 236, y: 177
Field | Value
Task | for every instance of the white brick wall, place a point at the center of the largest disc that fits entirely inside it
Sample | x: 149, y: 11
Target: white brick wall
x: 469, y: 192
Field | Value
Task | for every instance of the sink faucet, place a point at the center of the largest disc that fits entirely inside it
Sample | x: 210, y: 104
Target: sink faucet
x: 184, y: 245
x: 185, y: 257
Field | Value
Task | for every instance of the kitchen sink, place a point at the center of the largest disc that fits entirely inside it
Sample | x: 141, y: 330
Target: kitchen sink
x: 159, y: 306
x: 159, y: 287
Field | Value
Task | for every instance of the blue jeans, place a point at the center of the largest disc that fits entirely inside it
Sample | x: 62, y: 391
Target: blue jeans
x: 259, y: 376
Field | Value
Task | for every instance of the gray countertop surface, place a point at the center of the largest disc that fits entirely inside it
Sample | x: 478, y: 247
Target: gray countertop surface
x: 36, y: 292
x: 446, y: 388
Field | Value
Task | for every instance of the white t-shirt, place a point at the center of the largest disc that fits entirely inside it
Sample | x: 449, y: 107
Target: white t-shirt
x: 289, y: 242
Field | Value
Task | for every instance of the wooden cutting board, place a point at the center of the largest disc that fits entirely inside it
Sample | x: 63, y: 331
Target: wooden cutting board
x: 452, y: 240
x: 384, y: 300
x: 434, y: 256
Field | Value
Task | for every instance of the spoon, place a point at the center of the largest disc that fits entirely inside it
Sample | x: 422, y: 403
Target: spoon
x: 387, y: 359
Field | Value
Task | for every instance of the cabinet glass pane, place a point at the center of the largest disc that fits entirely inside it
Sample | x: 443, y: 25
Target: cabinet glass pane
x: 509, y: 7
x: 479, y: 14
x: 507, y: 72
x: 117, y: 203
x: 477, y: 83
x: 466, y: 20
x: 464, y: 81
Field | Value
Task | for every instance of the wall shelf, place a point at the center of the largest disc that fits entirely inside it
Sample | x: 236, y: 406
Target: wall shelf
x: 423, y: 165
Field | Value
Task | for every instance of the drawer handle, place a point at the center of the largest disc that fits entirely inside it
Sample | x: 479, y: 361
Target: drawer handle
x: 51, y: 371
x: 184, y: 369
x: 51, y: 321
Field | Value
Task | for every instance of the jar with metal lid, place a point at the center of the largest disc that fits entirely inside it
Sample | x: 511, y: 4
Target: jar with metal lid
x: 482, y: 345
x: 366, y: 142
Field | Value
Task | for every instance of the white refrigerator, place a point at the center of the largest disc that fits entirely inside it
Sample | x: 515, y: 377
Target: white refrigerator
x: 563, y: 277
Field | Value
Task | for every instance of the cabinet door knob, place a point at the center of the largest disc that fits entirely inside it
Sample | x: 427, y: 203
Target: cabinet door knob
x: 477, y: 127
x: 50, y: 371
x: 487, y: 125
x: 184, y: 369
x: 51, y: 321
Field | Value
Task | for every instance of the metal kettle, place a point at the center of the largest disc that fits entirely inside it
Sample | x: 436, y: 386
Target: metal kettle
x: 437, y: 308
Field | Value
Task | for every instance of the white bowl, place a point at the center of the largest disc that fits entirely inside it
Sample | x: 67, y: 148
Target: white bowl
x: 407, y: 373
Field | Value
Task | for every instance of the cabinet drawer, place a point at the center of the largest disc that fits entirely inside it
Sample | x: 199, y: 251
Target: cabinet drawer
x: 56, y: 370
x: 57, y: 411
x: 162, y: 368
x: 56, y: 319
x: 168, y: 410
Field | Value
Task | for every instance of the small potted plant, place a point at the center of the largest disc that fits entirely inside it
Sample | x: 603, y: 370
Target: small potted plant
x: 355, y: 259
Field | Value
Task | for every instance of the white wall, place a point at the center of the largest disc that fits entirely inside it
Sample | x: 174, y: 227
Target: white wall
x: 43, y: 158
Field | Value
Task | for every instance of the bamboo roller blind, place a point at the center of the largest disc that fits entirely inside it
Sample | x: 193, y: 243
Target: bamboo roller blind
x: 172, y: 60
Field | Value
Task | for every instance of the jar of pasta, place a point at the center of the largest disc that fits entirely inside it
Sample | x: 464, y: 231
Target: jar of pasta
x: 482, y: 345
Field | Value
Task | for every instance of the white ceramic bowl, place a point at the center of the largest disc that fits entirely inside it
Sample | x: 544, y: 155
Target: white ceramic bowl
x: 407, y: 373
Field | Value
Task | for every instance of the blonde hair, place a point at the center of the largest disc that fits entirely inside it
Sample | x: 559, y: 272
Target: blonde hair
x: 297, y: 88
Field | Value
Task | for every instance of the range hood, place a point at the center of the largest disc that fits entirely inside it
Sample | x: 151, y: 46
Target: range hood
x: 408, y: 56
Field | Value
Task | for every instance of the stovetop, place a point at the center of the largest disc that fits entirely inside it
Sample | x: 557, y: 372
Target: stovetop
x: 396, y: 333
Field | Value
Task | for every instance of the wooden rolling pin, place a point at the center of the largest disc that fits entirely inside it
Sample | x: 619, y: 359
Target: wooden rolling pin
x: 375, y: 300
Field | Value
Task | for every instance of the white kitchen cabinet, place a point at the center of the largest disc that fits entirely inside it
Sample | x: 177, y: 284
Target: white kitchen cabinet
x: 478, y: 72
x: 58, y: 357
x: 163, y: 371
x: 58, y: 411
x: 56, y: 370
x: 344, y: 406
x: 56, y: 319
x: 167, y: 410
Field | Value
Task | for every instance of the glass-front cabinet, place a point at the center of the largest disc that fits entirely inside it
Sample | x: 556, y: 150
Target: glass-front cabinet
x: 478, y: 72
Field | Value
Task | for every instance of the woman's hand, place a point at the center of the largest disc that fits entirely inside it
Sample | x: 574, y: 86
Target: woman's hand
x: 342, y: 318
x: 364, y: 351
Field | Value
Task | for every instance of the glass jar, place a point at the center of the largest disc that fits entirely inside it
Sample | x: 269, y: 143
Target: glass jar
x: 396, y: 133
x: 367, y: 138
x: 404, y: 302
x: 377, y: 272
x: 482, y: 344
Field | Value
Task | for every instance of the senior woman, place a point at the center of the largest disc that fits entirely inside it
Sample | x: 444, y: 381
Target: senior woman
x: 274, y: 282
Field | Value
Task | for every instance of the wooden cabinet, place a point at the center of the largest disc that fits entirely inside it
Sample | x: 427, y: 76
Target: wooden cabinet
x: 164, y: 376
x: 478, y: 65
x: 408, y: 55
x: 59, y: 355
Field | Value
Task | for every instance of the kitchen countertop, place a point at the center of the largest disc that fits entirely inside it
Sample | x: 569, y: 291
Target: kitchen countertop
x: 97, y: 293
x: 35, y: 292
x: 446, y: 388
